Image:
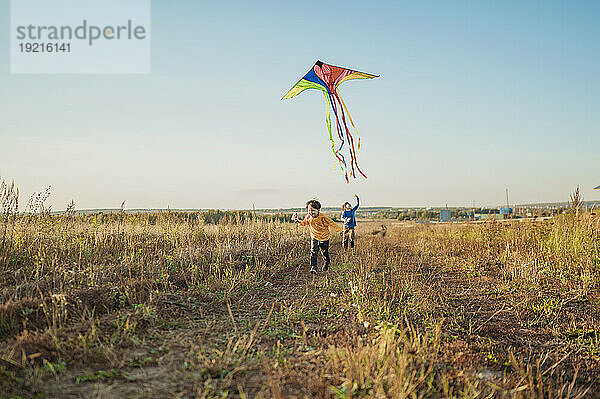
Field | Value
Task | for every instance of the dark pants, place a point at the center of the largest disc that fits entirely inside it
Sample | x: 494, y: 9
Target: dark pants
x: 314, y: 251
x: 348, y: 237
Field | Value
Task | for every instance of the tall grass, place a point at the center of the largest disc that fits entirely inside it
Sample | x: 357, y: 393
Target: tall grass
x: 386, y: 322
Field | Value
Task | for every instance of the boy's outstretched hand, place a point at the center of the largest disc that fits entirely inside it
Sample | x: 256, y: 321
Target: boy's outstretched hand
x: 294, y: 217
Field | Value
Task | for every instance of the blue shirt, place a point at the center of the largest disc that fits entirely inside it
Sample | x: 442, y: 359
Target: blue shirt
x: 348, y: 216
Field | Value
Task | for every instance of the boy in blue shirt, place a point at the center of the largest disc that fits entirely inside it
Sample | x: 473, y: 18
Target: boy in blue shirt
x: 349, y: 223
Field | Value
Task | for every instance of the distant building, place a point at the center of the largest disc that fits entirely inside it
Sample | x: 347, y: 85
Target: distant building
x: 487, y: 214
x: 445, y: 215
x: 506, y: 212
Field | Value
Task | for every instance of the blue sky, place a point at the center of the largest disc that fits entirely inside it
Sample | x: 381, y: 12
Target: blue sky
x: 474, y: 97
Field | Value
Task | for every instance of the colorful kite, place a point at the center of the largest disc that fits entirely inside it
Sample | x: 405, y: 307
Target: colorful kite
x: 327, y: 78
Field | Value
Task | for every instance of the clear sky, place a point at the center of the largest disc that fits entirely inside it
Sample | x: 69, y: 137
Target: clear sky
x: 474, y: 97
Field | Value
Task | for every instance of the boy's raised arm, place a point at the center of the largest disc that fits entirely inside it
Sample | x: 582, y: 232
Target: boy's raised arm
x: 357, y: 203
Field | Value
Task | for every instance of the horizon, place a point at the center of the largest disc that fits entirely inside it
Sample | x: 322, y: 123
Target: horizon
x: 331, y: 208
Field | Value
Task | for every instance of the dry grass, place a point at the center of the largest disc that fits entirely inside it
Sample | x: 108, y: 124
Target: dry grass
x: 165, y: 307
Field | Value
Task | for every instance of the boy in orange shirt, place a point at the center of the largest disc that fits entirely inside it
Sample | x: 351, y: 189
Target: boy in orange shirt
x: 318, y: 225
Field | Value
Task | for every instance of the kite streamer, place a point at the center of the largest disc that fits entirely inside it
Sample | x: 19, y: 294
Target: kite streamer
x: 327, y: 78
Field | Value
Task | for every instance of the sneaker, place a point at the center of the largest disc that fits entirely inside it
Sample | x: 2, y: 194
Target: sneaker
x: 313, y: 270
x: 326, y: 267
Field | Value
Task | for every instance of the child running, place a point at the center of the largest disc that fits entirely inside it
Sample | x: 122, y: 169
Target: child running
x: 349, y: 220
x: 319, y: 226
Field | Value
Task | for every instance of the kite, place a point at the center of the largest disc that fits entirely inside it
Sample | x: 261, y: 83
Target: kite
x: 327, y: 78
x: 597, y: 188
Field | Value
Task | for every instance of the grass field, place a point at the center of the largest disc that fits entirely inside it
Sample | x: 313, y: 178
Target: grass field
x: 156, y: 306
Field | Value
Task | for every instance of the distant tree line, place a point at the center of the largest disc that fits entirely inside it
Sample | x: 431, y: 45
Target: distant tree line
x: 424, y: 214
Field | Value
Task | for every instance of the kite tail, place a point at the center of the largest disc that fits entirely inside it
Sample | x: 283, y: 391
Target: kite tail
x: 354, y: 158
x: 351, y: 121
x: 340, y: 135
x: 338, y: 155
x: 328, y: 122
x: 349, y: 137
x: 340, y: 132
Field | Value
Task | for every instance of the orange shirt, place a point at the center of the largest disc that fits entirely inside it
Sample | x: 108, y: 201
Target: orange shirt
x: 319, y: 226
